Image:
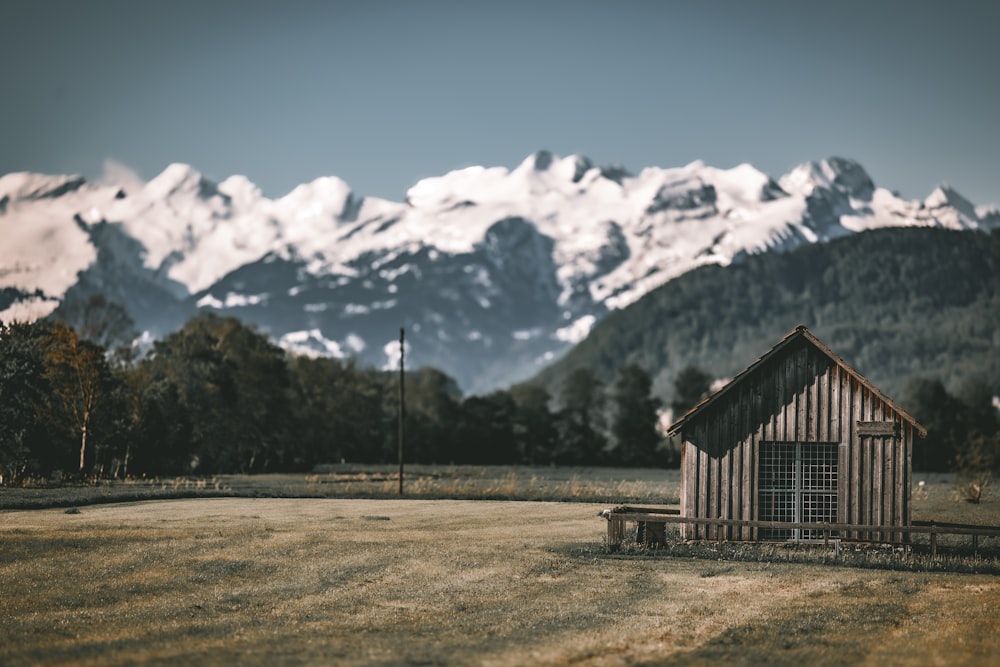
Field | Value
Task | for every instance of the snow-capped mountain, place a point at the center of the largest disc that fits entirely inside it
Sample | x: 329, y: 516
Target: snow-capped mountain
x: 492, y: 271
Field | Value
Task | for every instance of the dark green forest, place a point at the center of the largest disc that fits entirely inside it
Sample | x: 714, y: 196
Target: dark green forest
x: 893, y: 303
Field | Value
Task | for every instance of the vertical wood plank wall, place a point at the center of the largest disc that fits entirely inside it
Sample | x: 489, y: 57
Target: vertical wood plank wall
x: 800, y: 395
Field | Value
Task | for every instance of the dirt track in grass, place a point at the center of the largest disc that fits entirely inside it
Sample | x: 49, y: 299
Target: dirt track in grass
x: 415, y: 582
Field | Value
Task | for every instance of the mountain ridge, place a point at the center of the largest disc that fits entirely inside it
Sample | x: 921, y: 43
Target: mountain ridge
x: 494, y: 271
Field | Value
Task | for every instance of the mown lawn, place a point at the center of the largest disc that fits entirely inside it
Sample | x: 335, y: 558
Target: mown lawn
x: 436, y: 582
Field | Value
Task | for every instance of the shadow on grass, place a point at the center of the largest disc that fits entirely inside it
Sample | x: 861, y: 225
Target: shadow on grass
x: 826, y: 629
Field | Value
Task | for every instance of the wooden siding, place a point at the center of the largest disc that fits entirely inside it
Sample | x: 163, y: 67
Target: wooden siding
x: 799, y: 395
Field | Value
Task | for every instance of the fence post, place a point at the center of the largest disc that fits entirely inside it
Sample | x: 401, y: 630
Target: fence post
x: 616, y: 532
x: 933, y: 540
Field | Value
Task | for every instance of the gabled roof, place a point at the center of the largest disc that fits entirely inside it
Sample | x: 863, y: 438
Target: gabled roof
x: 799, y: 332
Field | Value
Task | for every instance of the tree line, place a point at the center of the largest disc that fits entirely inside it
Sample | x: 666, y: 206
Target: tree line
x: 963, y: 428
x: 217, y: 396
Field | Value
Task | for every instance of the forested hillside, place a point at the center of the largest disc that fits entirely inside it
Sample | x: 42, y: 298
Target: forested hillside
x: 894, y: 303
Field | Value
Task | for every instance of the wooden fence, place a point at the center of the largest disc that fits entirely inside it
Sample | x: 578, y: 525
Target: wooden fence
x: 618, y: 517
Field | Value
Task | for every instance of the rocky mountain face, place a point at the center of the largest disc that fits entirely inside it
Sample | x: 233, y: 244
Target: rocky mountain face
x: 493, y: 272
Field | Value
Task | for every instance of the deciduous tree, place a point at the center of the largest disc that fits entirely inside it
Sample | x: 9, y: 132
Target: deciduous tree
x: 25, y: 425
x: 338, y: 410
x: 233, y: 384
x: 80, y: 380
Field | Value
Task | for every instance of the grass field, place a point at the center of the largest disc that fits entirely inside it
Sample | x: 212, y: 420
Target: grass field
x: 334, y: 580
x: 606, y: 485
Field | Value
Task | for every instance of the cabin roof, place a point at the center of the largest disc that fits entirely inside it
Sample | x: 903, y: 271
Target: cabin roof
x: 799, y: 332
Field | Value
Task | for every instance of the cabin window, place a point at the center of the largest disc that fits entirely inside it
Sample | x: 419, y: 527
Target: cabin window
x: 797, y: 482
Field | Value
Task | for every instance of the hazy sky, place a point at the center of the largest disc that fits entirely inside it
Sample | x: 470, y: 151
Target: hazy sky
x: 382, y: 94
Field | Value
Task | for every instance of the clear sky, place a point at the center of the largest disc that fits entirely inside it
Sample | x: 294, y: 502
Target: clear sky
x: 383, y: 93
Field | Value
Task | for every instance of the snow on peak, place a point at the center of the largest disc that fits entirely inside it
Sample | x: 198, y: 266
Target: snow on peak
x: 742, y: 184
x: 175, y: 178
x: 324, y: 187
x: 43, y: 247
x: 550, y: 168
x: 613, y: 235
x: 441, y: 190
x: 537, y: 161
x: 835, y: 172
x: 241, y: 190
x: 850, y: 176
x: 574, y: 167
x: 183, y: 184
x: 193, y: 230
x: 945, y: 195
x: 615, y: 172
x: 953, y: 210
x: 27, y: 186
x: 318, y: 205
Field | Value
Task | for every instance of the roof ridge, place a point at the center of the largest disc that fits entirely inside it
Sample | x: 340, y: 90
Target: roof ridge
x: 800, y: 331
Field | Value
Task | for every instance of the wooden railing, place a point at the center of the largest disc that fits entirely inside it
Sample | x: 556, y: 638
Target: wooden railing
x: 618, y: 517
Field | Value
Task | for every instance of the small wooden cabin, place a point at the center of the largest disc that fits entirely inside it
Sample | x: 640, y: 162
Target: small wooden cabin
x: 798, y: 436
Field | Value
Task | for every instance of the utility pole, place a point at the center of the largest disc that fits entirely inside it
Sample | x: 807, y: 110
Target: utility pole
x: 402, y: 406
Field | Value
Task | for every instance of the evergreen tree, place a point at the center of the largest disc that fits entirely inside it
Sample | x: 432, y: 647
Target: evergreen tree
x: 941, y: 413
x: 581, y: 419
x: 635, y: 417
x: 534, y: 425
x: 160, y: 439
x: 692, y: 385
x: 486, y: 430
x: 980, y: 415
x: 432, y: 411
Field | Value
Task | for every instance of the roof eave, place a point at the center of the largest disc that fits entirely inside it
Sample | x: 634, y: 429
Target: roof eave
x: 798, y: 332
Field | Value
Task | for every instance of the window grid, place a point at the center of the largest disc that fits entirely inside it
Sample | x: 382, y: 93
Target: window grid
x: 798, y: 483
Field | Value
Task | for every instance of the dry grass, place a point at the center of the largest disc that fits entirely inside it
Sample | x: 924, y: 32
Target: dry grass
x: 499, y: 483
x: 605, y: 485
x: 412, y: 582
x: 937, y: 499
